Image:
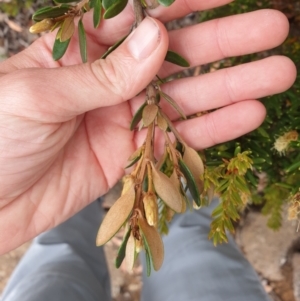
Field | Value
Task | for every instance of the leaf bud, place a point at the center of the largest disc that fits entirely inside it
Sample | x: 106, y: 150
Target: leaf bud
x: 151, y: 209
x: 42, y: 26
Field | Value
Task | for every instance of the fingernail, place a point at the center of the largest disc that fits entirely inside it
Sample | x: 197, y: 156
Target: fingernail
x: 144, y: 40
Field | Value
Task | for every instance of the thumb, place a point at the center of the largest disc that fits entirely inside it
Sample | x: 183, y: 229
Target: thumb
x: 76, y: 89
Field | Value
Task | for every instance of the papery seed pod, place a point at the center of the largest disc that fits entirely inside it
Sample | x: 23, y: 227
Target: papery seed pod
x: 166, y: 190
x: 169, y: 214
x: 195, y: 165
x: 149, y: 114
x: 151, y: 208
x: 130, y: 252
x: 42, y: 26
x: 128, y: 182
x: 162, y: 123
x: 116, y: 216
x: 153, y: 242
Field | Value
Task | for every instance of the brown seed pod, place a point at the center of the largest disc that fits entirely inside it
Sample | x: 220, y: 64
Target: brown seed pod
x: 149, y: 114
x: 195, y: 165
x: 116, y: 216
x: 151, y: 208
x: 153, y: 242
x: 166, y: 189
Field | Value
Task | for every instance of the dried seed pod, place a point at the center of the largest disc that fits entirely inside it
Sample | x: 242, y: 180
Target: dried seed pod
x: 149, y: 114
x: 128, y: 182
x: 166, y: 189
x: 162, y: 123
x: 151, y: 208
x: 195, y: 165
x: 42, y: 26
x: 169, y: 214
x: 116, y: 216
x: 153, y: 242
x: 130, y: 252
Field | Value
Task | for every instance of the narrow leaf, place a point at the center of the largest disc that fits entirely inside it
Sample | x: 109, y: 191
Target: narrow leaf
x: 122, y: 250
x: 112, y: 48
x: 137, y: 116
x: 176, y: 59
x: 153, y: 242
x: 166, y: 190
x: 173, y: 103
x: 97, y: 13
x: 82, y: 41
x: 67, y: 29
x: 59, y: 48
x: 50, y: 12
x: 115, y: 9
x: 116, y: 216
x: 166, y: 2
x: 149, y: 114
x: 191, y: 182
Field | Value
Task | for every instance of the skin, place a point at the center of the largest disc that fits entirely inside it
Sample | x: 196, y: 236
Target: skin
x: 64, y: 137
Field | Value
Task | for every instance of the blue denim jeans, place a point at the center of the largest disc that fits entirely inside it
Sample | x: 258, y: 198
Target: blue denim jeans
x: 64, y: 264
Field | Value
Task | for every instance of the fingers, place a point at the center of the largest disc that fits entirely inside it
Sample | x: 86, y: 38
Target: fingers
x: 223, y: 125
x: 224, y: 87
x: 227, y: 37
x: 219, y: 126
x: 76, y: 89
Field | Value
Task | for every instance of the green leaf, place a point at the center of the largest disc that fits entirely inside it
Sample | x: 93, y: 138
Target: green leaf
x: 173, y: 103
x: 176, y: 59
x: 166, y: 2
x: 122, y: 249
x: 59, y: 48
x: 82, y: 41
x: 191, y: 183
x: 115, y: 9
x: 97, y: 14
x: 113, y: 47
x: 137, y: 116
x: 108, y: 3
x: 50, y: 12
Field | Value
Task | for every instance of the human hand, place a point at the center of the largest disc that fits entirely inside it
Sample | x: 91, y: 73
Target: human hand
x: 64, y: 136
